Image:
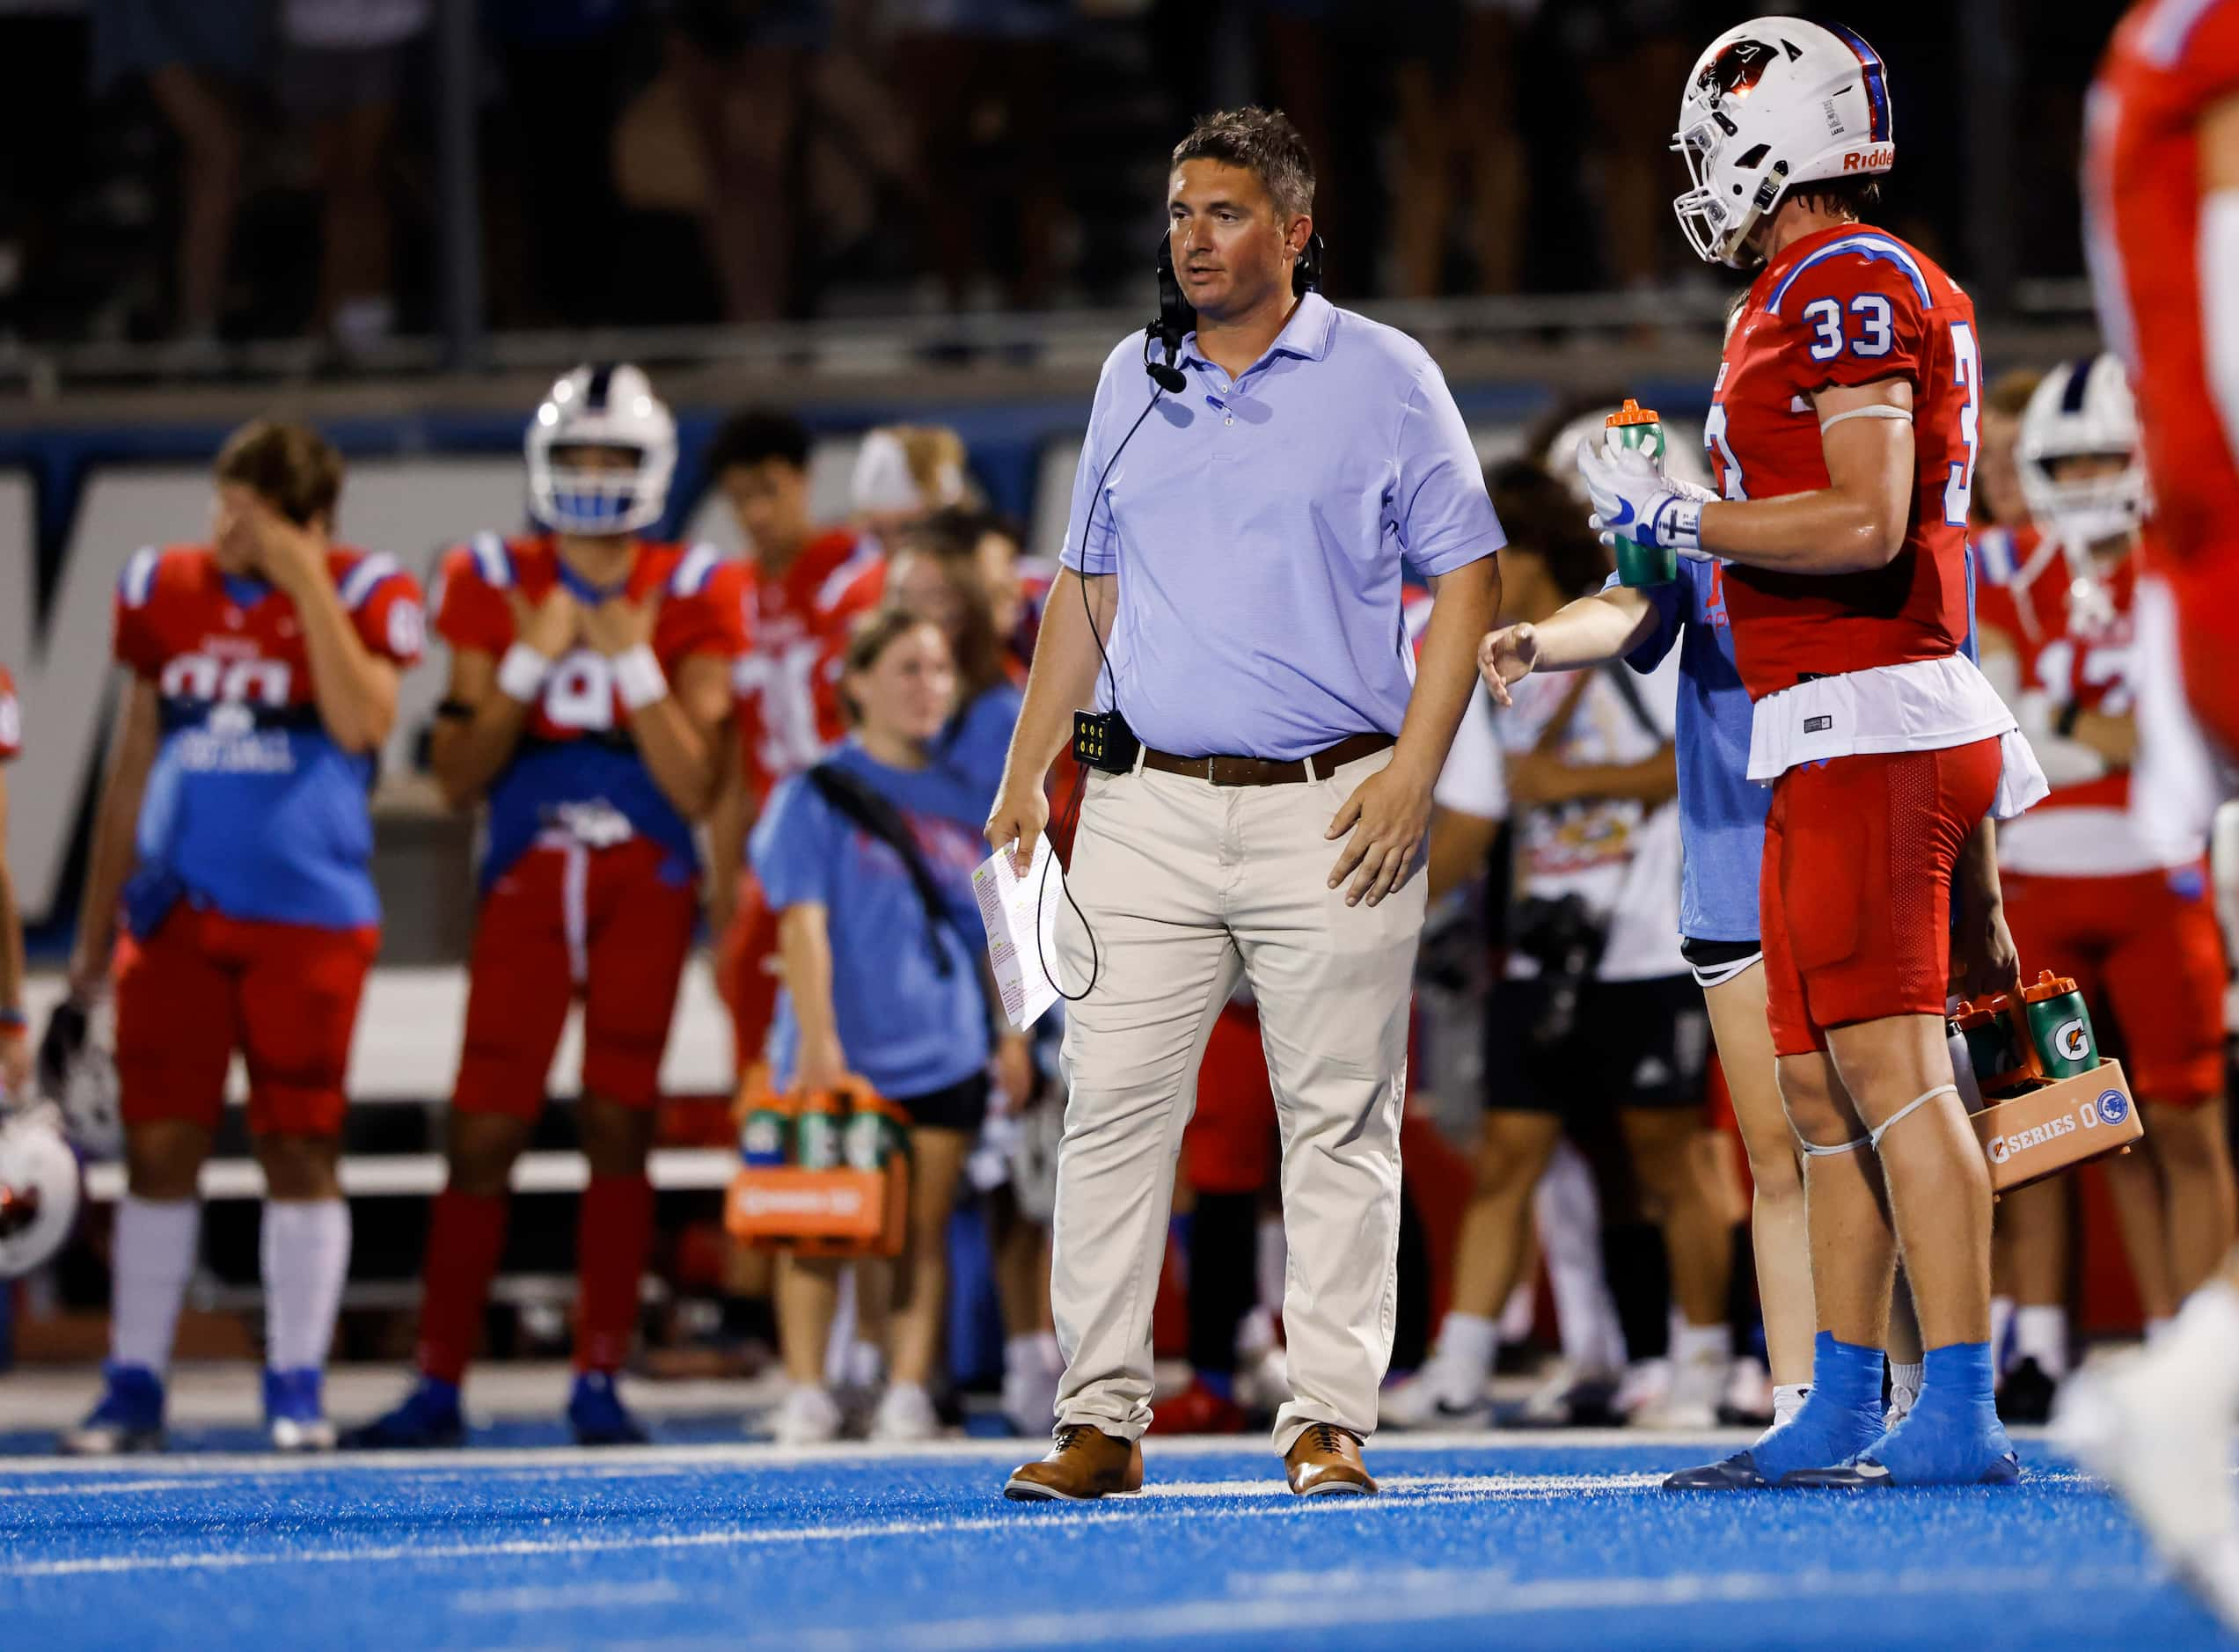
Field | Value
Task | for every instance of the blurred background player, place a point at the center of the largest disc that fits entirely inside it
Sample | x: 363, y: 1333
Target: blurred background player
x: 233, y: 846
x: 15, y: 1041
x: 1886, y: 746
x: 800, y: 598
x: 880, y: 989
x: 2085, y: 896
x: 2161, y: 229
x: 1597, y: 1011
x: 590, y: 698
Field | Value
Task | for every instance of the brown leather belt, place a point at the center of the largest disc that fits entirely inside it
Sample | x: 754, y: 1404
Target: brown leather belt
x: 1269, y: 771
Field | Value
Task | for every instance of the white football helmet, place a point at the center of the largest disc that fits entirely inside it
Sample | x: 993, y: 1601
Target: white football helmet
x: 606, y: 406
x: 1775, y: 103
x: 2083, y: 409
x: 40, y: 1189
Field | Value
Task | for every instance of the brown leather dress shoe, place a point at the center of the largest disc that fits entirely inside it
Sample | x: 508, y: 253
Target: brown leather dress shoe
x: 1084, y: 1463
x: 1325, y: 1461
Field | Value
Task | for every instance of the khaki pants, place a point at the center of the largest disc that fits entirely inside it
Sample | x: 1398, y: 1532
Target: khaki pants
x: 1185, y: 887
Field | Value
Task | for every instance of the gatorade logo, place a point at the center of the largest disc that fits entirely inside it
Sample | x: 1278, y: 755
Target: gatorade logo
x: 2073, y: 1041
x: 2114, y: 1107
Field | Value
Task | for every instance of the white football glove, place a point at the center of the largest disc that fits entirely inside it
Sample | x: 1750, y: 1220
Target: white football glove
x: 1632, y: 497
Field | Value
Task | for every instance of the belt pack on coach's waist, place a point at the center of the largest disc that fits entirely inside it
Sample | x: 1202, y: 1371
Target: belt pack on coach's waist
x: 1269, y: 770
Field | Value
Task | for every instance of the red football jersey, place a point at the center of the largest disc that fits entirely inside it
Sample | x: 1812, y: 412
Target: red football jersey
x: 1850, y: 305
x: 580, y: 698
x: 254, y: 809
x: 2076, y: 641
x: 206, y: 637
x: 11, y: 723
x: 788, y: 682
x: 2170, y: 62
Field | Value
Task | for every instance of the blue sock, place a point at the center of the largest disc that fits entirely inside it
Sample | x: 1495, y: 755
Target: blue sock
x: 1839, y: 1417
x: 1953, y: 1437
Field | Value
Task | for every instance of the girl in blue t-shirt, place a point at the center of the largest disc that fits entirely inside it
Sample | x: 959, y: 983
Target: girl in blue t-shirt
x: 880, y: 989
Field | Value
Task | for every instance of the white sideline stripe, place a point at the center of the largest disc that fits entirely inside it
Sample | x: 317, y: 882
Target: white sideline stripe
x: 1489, y: 1488
x: 423, y: 1175
x: 1492, y: 1593
x: 609, y: 1461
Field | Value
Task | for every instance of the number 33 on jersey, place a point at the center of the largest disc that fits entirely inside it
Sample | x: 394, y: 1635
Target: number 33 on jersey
x: 1847, y: 307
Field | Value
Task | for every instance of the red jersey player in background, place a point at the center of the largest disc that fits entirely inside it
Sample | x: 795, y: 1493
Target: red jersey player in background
x: 2086, y: 893
x: 15, y: 1045
x: 1843, y: 431
x: 590, y: 701
x: 2160, y: 192
x: 233, y: 840
x: 804, y: 587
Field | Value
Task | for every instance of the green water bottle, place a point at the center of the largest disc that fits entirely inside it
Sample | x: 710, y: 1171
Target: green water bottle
x: 865, y: 1139
x: 817, y: 1144
x: 1633, y: 426
x: 2060, y: 1025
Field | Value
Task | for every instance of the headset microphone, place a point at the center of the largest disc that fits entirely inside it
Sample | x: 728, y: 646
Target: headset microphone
x: 1171, y: 380
x: 1177, y: 317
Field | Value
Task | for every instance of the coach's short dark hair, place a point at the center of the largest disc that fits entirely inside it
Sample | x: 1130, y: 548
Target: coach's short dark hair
x: 1263, y: 142
x: 292, y: 467
x: 756, y: 433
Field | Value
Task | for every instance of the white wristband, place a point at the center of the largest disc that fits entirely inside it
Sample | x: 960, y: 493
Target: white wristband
x: 1873, y: 410
x: 1677, y: 522
x: 522, y: 673
x: 638, y: 679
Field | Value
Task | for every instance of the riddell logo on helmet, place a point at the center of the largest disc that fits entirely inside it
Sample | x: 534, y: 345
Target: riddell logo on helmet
x: 1870, y: 160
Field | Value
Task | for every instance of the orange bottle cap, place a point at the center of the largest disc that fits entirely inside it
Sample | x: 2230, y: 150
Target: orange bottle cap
x: 1632, y: 413
x: 2048, y: 986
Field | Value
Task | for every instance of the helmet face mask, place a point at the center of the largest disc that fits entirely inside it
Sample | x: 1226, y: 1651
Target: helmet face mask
x: 2084, y: 410
x: 601, y: 450
x: 1771, y: 104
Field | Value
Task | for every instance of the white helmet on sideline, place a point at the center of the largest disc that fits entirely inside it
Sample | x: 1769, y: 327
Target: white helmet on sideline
x: 40, y: 1189
x: 605, y: 406
x: 2083, y: 409
x: 1683, y: 459
x: 1775, y: 103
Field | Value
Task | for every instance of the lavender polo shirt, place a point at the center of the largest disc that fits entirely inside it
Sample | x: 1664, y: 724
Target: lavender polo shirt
x: 1258, y: 528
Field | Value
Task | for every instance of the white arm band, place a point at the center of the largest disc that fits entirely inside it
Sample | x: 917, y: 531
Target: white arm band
x: 2220, y: 305
x: 638, y: 679
x: 1879, y: 410
x: 522, y: 673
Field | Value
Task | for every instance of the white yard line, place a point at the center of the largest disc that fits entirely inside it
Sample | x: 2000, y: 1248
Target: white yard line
x: 1428, y: 1490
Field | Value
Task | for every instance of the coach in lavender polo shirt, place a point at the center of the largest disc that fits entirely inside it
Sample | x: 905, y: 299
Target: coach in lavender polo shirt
x: 1242, y: 554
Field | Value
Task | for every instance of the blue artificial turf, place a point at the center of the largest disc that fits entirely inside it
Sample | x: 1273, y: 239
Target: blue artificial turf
x: 1509, y: 1543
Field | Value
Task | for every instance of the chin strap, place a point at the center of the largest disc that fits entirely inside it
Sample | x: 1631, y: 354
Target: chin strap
x: 1873, y: 1138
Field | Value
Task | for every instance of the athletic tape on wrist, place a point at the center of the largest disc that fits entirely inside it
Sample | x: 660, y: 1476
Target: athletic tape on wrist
x: 522, y: 673
x: 638, y: 679
x: 1678, y: 522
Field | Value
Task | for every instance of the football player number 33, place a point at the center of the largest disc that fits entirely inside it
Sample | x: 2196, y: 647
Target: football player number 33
x: 1865, y: 331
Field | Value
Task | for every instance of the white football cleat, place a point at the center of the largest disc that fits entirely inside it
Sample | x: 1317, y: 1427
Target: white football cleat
x: 905, y: 1416
x: 808, y: 1417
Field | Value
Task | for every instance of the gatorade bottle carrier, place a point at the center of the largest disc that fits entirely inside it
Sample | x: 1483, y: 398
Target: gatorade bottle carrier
x: 826, y: 1174
x: 2051, y: 1101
